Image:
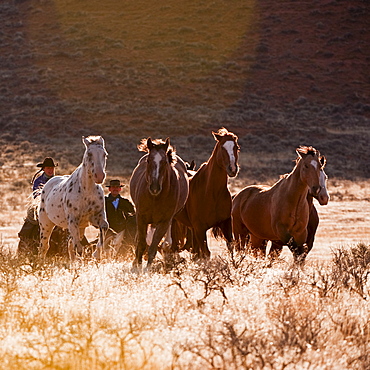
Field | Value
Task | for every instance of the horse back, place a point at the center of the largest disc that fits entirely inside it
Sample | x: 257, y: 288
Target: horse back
x: 183, y: 184
x: 208, y: 202
x: 253, y: 206
x: 138, y: 182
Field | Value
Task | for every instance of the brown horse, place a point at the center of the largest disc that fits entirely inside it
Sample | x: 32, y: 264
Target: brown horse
x: 313, y: 221
x: 159, y: 188
x: 209, y: 201
x: 280, y: 212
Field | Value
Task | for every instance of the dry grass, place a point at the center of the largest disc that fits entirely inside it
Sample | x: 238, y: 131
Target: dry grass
x: 233, y: 312
x: 230, y: 313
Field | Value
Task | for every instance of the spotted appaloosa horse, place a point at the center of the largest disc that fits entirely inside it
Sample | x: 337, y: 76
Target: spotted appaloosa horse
x: 209, y: 201
x: 280, y: 212
x: 159, y: 188
x: 76, y: 201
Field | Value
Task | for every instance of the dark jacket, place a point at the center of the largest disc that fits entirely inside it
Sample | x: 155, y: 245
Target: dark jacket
x: 117, y: 217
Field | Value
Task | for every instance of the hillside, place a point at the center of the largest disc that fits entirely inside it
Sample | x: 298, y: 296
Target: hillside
x: 277, y: 73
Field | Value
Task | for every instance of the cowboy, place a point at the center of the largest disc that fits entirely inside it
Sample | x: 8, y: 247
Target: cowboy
x: 117, y: 208
x: 30, y: 229
x: 48, y: 168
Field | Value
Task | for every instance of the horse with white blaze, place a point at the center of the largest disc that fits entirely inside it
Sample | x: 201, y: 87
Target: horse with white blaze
x: 77, y: 200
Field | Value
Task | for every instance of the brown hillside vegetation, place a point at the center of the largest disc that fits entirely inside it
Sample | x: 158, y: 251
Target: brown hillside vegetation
x: 277, y: 73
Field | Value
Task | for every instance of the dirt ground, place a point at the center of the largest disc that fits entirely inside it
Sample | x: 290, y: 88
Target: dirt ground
x: 342, y: 223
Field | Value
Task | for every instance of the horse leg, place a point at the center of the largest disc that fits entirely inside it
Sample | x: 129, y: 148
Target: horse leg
x: 276, y: 249
x: 240, y: 232
x: 166, y: 246
x: 257, y: 246
x: 200, y: 243
x: 46, y: 228
x: 177, y: 236
x: 80, y: 248
x: 189, y: 239
x: 103, y: 228
x: 312, y: 226
x: 141, y: 246
x: 298, y: 247
x: 226, y: 228
x: 75, y: 244
x: 159, y: 233
x: 296, y: 243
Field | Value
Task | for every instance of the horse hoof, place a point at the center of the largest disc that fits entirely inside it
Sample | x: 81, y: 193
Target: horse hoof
x: 148, y: 268
x: 136, y: 270
x: 96, y: 254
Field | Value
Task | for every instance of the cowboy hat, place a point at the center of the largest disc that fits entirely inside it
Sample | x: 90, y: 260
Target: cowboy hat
x: 115, y: 183
x: 48, y: 162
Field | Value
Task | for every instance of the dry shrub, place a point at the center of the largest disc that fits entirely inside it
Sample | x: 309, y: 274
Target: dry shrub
x: 233, y: 312
x: 352, y: 267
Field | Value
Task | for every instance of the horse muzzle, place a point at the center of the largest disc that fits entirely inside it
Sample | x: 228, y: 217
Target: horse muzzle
x: 232, y: 171
x: 99, y: 178
x: 323, y: 199
x: 155, y: 189
x: 315, y: 191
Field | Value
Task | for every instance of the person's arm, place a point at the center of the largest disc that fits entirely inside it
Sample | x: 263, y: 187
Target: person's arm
x: 126, y: 207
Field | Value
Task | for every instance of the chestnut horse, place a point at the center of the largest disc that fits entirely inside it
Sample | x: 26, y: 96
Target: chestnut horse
x: 159, y: 187
x: 209, y: 201
x: 280, y: 212
x: 313, y: 221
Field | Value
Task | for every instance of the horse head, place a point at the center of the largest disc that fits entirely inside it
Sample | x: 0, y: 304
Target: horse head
x: 310, y: 168
x: 95, y: 157
x: 228, y: 151
x: 323, y: 195
x: 160, y: 156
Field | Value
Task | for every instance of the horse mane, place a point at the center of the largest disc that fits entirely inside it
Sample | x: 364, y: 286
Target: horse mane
x: 224, y: 132
x: 309, y: 150
x: 95, y: 140
x: 171, y: 152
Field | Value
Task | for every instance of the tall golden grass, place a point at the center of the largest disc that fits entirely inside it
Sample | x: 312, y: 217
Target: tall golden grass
x: 232, y: 312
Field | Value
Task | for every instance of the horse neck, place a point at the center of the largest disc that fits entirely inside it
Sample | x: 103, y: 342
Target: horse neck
x: 85, y: 176
x: 295, y: 188
x: 217, y: 170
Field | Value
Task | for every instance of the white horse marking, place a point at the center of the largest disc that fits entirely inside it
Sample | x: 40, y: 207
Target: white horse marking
x: 229, y: 146
x: 76, y: 201
x: 323, y: 196
x: 157, y: 161
x: 314, y: 164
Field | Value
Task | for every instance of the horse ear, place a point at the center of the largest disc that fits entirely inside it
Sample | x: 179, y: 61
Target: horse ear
x: 149, y: 143
x: 101, y: 141
x: 216, y: 136
x: 322, y: 161
x: 167, y: 143
x: 301, y: 152
x: 86, y: 141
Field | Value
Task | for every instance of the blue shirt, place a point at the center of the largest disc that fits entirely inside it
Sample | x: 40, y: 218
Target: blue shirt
x: 39, y: 183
